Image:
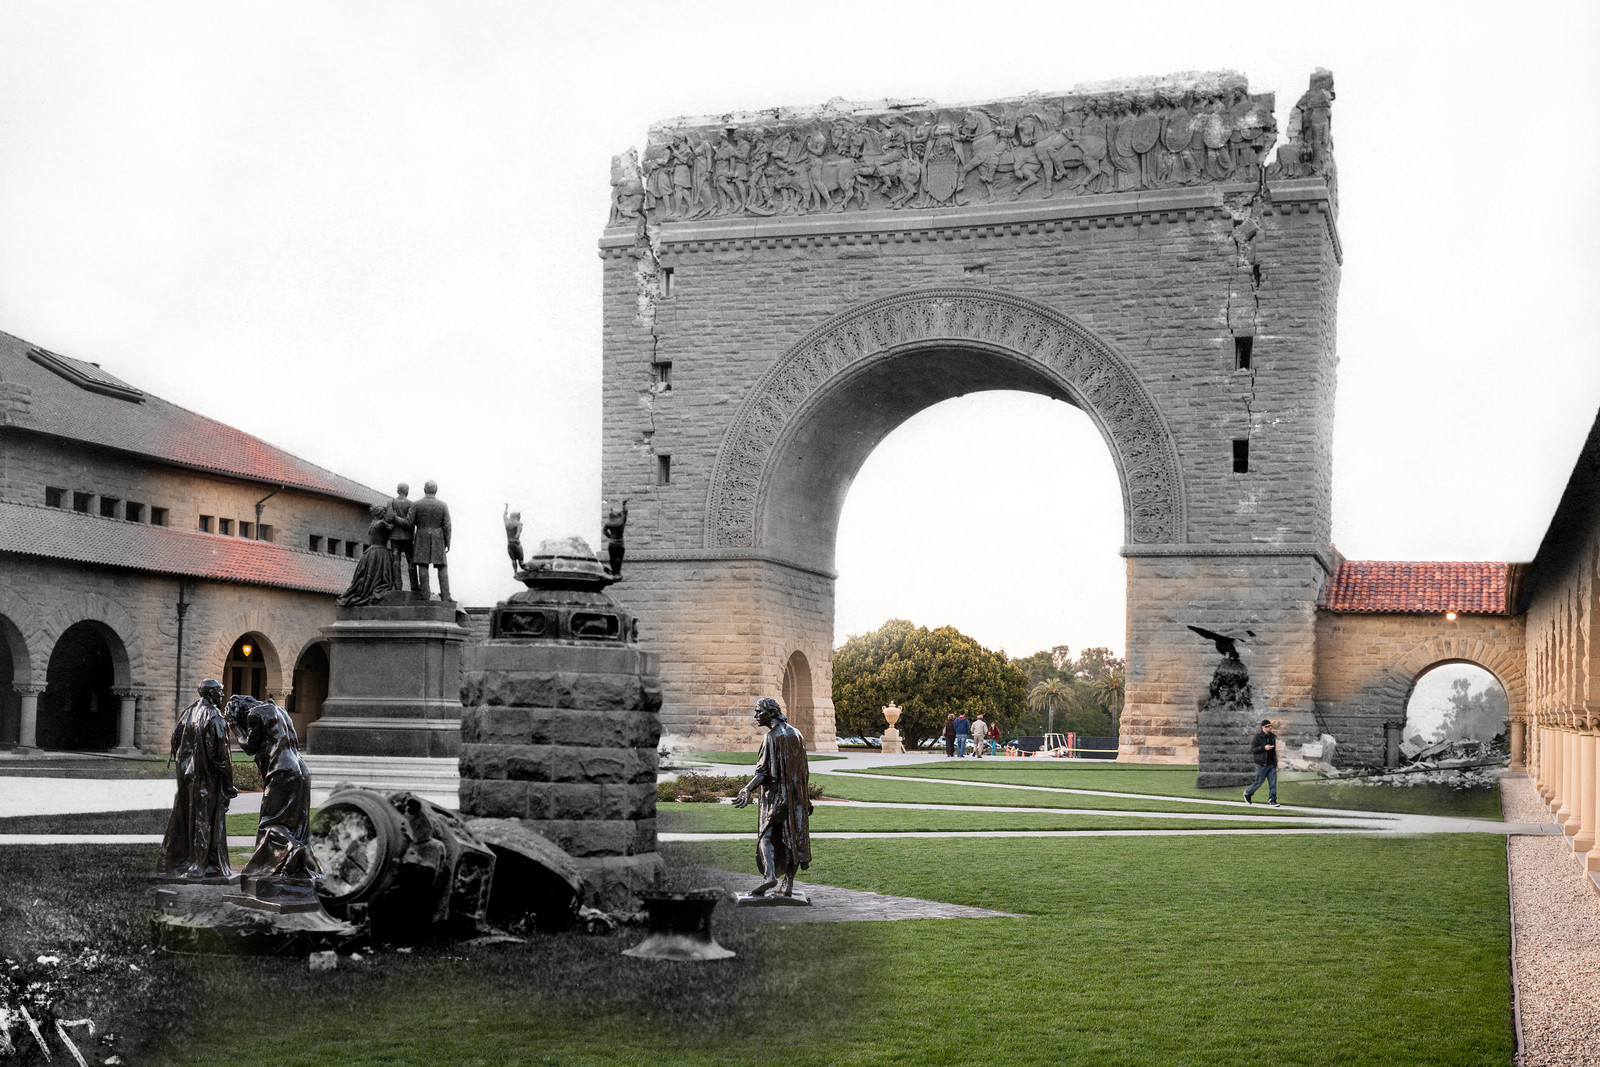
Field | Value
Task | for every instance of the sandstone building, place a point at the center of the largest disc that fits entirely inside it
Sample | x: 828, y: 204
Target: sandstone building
x: 144, y: 547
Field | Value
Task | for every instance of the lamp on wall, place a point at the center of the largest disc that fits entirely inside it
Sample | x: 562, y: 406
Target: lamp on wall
x: 1450, y: 616
x: 247, y: 648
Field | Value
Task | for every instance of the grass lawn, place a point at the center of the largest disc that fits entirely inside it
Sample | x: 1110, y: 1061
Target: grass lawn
x: 1180, y: 782
x: 841, y: 818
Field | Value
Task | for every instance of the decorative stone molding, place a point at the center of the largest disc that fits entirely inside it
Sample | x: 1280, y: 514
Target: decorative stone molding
x: 1098, y: 379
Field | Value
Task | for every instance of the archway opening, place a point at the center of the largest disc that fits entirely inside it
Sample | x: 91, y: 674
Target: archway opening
x: 10, y: 700
x: 246, y: 668
x: 797, y: 703
x: 310, y: 690
x: 78, y: 710
x: 1457, y: 703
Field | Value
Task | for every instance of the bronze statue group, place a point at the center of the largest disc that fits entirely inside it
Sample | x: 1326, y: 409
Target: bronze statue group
x: 404, y: 539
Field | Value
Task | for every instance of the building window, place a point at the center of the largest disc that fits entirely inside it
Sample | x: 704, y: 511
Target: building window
x: 244, y: 529
x: 333, y: 546
x: 316, y: 542
x: 158, y: 516
x: 54, y: 498
x: 205, y: 524
x: 133, y: 512
x: 663, y: 470
x: 1242, y: 347
x: 108, y: 507
x: 82, y: 501
x: 263, y: 532
x: 661, y: 376
x: 1241, y: 457
x: 225, y: 527
x: 350, y: 549
x: 667, y: 286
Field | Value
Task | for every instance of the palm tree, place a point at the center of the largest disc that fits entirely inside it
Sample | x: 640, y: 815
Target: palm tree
x: 1110, y: 690
x: 1049, y: 695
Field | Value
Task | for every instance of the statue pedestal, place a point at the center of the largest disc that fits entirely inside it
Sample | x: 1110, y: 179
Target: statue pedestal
x: 394, y: 677
x: 892, y: 742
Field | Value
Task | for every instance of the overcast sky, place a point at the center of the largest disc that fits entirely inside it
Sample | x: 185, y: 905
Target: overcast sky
x: 367, y: 233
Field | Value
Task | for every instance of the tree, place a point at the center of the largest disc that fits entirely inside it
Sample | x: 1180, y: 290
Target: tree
x: 1110, y: 690
x: 929, y: 673
x: 1050, y: 694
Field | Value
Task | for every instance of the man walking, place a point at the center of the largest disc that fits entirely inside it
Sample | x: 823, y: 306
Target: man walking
x: 980, y: 736
x: 963, y: 727
x: 1264, y: 750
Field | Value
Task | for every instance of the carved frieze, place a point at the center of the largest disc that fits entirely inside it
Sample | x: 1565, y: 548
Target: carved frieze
x: 1094, y: 374
x: 1183, y: 130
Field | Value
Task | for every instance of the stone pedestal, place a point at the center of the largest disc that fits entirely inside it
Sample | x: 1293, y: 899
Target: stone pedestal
x: 891, y: 737
x: 394, y: 680
x: 563, y: 737
x: 1223, y: 737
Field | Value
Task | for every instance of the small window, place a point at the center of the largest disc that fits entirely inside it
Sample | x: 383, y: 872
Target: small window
x: 54, y: 498
x: 263, y: 532
x: 333, y: 546
x: 1242, y: 347
x: 1241, y: 457
x: 108, y: 507
x: 133, y: 512
x: 205, y: 523
x: 350, y: 549
x: 245, y: 529
x: 82, y: 501
x: 663, y: 470
x: 316, y: 542
x: 225, y: 527
x: 158, y: 516
x: 667, y: 286
x: 661, y: 376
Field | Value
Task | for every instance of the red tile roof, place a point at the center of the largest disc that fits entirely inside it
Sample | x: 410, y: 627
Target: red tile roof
x: 56, y: 402
x: 1417, y: 588
x: 53, y: 533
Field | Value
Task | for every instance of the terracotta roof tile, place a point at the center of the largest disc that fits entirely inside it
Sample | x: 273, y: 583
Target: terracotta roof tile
x: 49, y: 402
x: 1424, y: 588
x: 52, y: 533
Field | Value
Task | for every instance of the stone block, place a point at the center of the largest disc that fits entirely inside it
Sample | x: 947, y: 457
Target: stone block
x: 496, y: 725
x: 632, y: 801
x: 494, y: 799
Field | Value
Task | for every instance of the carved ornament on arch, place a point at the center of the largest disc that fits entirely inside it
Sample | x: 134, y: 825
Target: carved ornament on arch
x: 1093, y: 373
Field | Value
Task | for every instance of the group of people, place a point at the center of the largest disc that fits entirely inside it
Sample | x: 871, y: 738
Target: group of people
x: 195, y: 847
x: 405, y: 538
x: 958, y: 729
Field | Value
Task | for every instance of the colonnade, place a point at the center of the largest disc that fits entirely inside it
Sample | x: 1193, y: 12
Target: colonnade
x: 1562, y: 760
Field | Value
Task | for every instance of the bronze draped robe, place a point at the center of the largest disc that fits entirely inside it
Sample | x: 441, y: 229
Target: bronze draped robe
x: 785, y: 805
x: 196, y: 842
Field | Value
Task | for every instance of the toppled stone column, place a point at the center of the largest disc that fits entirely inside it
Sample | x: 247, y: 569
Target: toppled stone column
x: 560, y: 723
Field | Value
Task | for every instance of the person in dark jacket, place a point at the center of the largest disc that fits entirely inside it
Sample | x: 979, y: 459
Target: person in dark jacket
x: 1264, y: 750
x: 949, y: 736
x: 963, y: 727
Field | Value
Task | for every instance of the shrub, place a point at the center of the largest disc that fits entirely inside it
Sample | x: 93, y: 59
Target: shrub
x: 709, y: 788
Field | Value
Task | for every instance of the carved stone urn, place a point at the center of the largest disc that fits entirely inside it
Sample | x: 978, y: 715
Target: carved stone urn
x: 891, y: 736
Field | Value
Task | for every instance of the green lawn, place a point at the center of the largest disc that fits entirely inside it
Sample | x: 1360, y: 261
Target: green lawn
x: 726, y: 819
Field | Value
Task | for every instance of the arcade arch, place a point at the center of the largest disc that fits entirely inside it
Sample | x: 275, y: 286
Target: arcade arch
x: 15, y: 670
x: 79, y: 707
x: 310, y: 689
x: 1457, y: 700
x: 796, y: 696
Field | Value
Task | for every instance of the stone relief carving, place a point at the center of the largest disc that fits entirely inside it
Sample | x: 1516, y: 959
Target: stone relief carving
x: 1101, y: 380
x: 1168, y: 133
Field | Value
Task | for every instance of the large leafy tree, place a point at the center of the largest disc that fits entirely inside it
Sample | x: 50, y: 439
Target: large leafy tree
x: 1079, y: 694
x: 929, y: 674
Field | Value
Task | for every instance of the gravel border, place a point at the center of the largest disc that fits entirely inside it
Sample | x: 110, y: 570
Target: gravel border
x: 1555, y: 922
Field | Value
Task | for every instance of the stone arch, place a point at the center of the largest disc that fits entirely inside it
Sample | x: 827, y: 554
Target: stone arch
x: 85, y: 675
x: 215, y: 658
x: 798, y: 698
x: 794, y: 445
x: 1402, y: 676
x: 16, y: 648
x: 308, y: 686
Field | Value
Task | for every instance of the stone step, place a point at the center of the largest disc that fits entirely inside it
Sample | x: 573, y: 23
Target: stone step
x: 386, y: 773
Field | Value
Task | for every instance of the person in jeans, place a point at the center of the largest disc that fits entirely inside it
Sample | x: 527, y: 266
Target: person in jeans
x: 963, y: 727
x: 1264, y: 750
x: 980, y: 736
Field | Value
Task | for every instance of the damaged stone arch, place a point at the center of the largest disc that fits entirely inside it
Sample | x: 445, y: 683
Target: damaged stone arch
x: 1403, y: 676
x: 798, y: 439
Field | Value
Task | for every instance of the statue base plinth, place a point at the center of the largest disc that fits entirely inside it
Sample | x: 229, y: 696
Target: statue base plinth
x: 751, y: 900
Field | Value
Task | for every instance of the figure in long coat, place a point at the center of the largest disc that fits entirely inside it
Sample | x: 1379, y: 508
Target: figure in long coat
x: 283, y: 840
x: 430, y: 518
x: 784, y: 842
x: 195, y: 847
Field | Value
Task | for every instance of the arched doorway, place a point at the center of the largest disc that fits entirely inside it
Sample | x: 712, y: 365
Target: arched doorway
x: 246, y: 668
x: 78, y: 710
x: 13, y: 668
x: 1457, y: 701
x: 310, y: 690
x: 797, y: 703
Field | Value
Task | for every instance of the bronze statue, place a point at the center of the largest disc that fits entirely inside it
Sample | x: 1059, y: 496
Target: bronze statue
x: 784, y: 842
x: 283, y: 853
x: 376, y: 574
x: 430, y: 518
x: 513, y: 521
x: 195, y: 847
x: 402, y: 535
x: 612, y: 530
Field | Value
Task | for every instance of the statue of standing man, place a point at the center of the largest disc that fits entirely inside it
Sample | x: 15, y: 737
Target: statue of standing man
x: 195, y: 847
x: 401, y: 536
x: 783, y: 845
x: 430, y: 518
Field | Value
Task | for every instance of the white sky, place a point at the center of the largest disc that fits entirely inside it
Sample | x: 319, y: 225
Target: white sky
x: 366, y: 232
